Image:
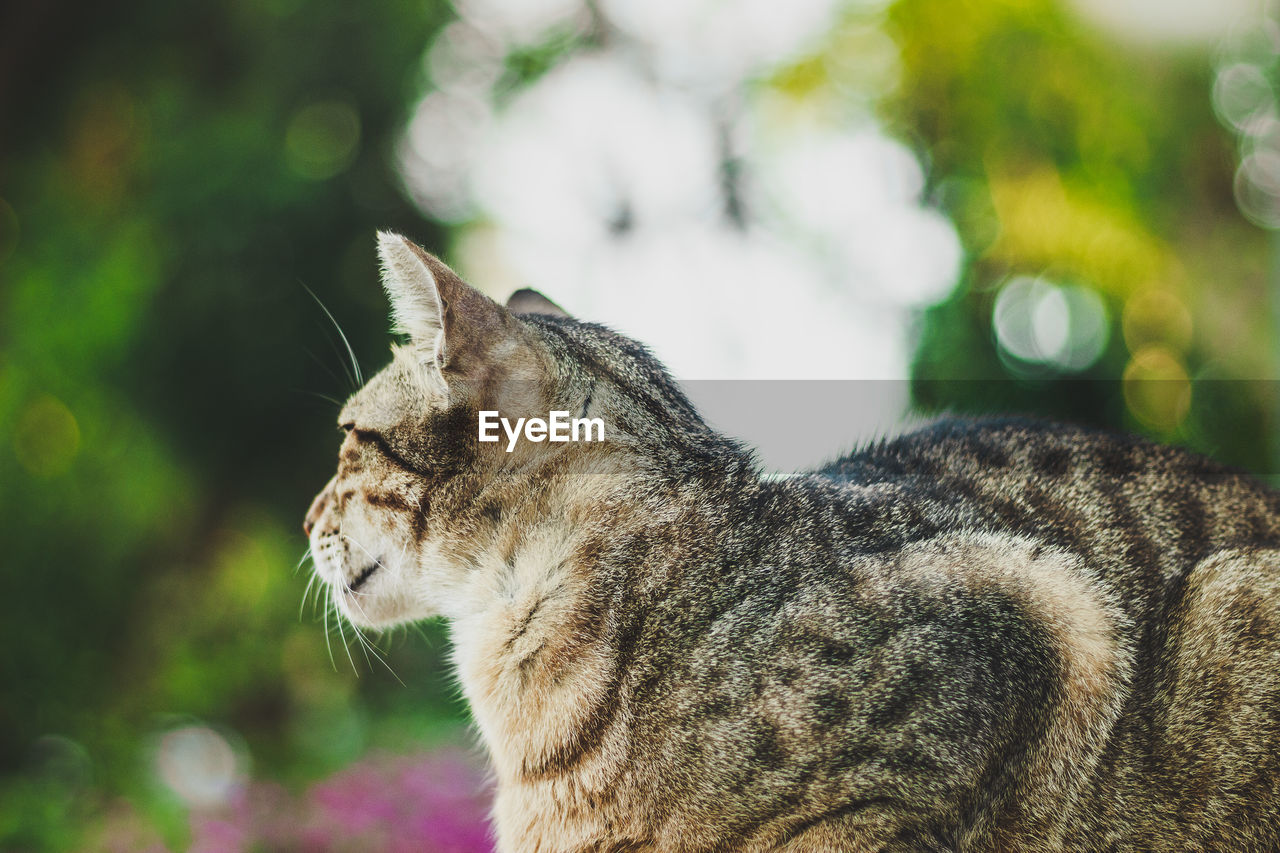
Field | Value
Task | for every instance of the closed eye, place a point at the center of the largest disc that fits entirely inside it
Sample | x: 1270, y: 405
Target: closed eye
x: 379, y: 442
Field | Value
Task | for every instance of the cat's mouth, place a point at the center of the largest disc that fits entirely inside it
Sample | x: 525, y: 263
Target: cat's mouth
x: 359, y: 580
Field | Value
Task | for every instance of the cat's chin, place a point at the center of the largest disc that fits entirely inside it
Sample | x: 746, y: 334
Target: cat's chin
x: 376, y: 612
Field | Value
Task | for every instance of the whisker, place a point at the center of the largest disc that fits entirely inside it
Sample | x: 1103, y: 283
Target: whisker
x: 342, y: 633
x: 364, y: 643
x: 369, y: 646
x: 360, y: 640
x: 384, y: 663
x: 356, y: 595
x: 306, y: 593
x: 355, y: 365
x: 327, y: 644
x: 335, y: 377
x: 324, y: 397
x: 342, y: 362
x: 353, y: 541
x: 315, y: 596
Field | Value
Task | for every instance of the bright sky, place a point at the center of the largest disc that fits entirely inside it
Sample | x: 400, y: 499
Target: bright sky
x: 603, y: 184
x: 654, y: 185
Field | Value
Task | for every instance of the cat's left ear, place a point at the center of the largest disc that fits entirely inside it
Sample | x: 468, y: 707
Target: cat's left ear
x: 441, y: 313
x: 526, y: 300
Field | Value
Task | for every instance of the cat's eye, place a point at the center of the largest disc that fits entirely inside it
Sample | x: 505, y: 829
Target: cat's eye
x: 347, y: 426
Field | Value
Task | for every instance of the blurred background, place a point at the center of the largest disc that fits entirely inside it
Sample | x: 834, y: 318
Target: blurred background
x: 1062, y: 207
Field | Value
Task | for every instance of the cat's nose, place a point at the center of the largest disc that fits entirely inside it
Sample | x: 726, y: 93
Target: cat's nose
x: 317, y: 508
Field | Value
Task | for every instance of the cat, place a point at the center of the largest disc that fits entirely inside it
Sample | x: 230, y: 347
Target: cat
x: 983, y: 635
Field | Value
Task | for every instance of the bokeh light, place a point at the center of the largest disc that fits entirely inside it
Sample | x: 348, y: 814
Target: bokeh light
x: 1157, y: 388
x: 521, y: 23
x: 1182, y: 22
x: 1157, y: 316
x: 199, y: 765
x: 47, y: 437
x: 1064, y: 327
x: 623, y: 182
x: 1244, y: 97
x: 322, y: 139
x: 1257, y: 186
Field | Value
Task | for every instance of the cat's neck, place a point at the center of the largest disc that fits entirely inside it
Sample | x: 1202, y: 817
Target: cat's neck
x: 536, y: 643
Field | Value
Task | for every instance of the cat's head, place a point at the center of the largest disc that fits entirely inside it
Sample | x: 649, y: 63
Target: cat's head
x: 394, y: 534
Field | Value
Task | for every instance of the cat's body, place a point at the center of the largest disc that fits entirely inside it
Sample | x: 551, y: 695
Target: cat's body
x: 986, y: 635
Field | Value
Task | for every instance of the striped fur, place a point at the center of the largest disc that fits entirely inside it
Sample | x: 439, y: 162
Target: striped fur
x: 986, y: 635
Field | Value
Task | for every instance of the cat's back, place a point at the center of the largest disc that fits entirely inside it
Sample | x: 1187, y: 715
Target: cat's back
x: 1186, y: 547
x: 1126, y: 504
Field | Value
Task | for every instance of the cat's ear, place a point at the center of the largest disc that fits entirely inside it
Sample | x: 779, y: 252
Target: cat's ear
x: 416, y: 305
x: 526, y: 300
x: 441, y: 314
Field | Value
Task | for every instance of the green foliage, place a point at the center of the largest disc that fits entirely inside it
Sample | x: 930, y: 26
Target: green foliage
x: 177, y: 176
x: 1062, y: 154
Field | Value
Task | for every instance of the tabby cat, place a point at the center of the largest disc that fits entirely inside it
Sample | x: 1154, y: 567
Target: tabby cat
x: 986, y: 635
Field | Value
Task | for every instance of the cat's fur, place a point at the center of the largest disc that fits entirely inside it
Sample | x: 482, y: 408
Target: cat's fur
x: 983, y: 636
